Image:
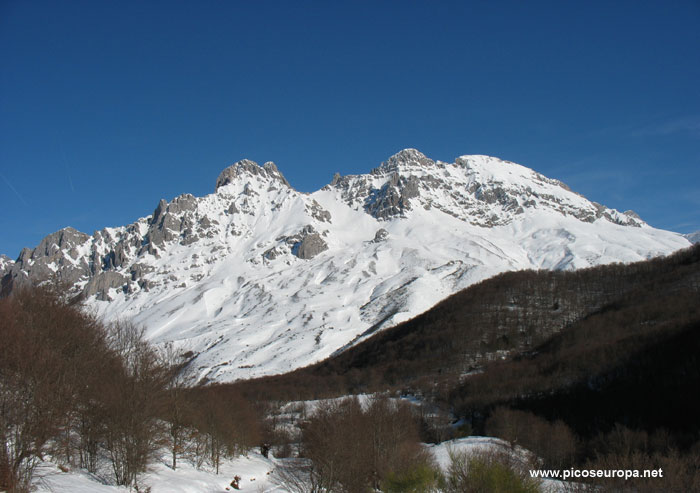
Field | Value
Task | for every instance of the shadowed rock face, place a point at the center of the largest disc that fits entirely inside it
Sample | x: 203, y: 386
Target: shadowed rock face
x: 102, y: 283
x: 305, y: 244
x: 57, y: 257
x: 381, y: 235
x: 174, y: 221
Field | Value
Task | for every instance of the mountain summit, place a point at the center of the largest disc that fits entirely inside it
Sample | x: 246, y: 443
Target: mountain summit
x: 481, y: 190
x: 258, y: 278
x: 246, y: 167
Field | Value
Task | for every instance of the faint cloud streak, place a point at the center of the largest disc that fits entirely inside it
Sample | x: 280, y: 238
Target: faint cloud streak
x: 687, y: 125
x: 65, y: 165
x: 19, y: 196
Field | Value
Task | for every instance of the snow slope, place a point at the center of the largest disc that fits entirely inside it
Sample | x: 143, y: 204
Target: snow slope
x: 474, y: 445
x: 258, y: 278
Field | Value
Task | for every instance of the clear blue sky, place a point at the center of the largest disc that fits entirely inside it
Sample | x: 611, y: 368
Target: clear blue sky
x: 106, y: 106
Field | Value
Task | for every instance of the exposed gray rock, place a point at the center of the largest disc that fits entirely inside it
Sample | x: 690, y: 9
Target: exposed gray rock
x: 630, y: 213
x: 318, y: 212
x: 249, y: 191
x: 102, y: 283
x: 183, y: 203
x: 305, y: 244
x: 65, y: 238
x: 381, y: 235
x: 250, y: 168
x: 138, y: 270
x: 160, y: 210
x: 311, y: 246
x: 410, y: 187
x: 272, y: 253
x: 117, y: 257
x: 188, y: 238
x: 205, y: 222
x: 56, y: 258
x: 272, y: 170
x: 403, y: 158
x: 393, y: 199
x: 497, y: 195
x: 173, y: 221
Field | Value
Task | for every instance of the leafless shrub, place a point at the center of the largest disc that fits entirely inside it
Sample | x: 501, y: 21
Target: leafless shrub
x: 131, y: 400
x: 486, y: 471
x: 353, y: 449
x: 47, y: 347
x: 553, y: 442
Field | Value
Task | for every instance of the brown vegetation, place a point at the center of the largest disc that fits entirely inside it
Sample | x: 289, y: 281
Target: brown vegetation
x: 354, y: 448
x: 73, y: 388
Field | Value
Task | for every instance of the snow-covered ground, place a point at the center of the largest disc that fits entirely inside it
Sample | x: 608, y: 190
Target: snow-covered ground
x: 257, y: 473
x: 479, y: 445
x: 254, y: 470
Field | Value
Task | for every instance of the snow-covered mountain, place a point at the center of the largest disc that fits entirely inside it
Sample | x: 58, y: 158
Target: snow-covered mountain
x: 258, y: 278
x: 693, y: 237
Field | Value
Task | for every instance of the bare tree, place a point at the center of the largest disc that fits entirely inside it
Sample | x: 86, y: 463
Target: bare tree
x: 132, y: 430
x: 351, y: 448
x: 42, y: 360
x: 175, y: 409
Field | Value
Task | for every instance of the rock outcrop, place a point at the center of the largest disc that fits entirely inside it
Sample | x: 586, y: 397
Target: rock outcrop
x: 251, y: 168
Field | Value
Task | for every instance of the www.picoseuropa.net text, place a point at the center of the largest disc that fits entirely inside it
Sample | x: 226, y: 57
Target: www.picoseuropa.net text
x: 565, y: 474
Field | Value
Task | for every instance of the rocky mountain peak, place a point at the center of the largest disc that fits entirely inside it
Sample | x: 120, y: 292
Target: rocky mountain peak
x: 246, y: 167
x: 66, y: 238
x: 404, y: 159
